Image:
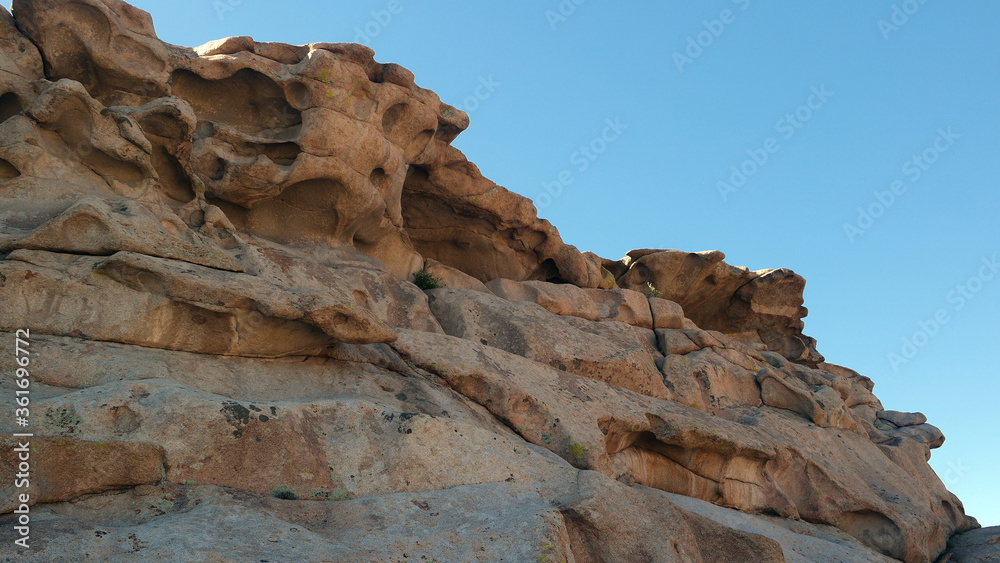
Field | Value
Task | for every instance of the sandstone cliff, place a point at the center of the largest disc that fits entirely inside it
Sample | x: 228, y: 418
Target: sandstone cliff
x: 214, y: 250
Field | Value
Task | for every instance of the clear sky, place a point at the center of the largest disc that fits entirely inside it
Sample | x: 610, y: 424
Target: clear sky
x: 887, y: 107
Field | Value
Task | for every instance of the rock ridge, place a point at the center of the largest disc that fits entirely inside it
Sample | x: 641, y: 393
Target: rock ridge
x: 214, y: 250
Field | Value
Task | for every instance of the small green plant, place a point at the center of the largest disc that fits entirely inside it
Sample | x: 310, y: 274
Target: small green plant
x: 426, y: 280
x: 651, y: 291
x: 284, y: 492
x: 577, y: 449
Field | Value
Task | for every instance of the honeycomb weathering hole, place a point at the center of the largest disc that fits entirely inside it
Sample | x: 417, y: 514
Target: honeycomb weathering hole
x: 875, y: 530
x: 174, y: 182
x: 314, y: 204
x: 298, y: 95
x: 953, y: 515
x: 282, y: 154
x: 10, y: 105
x: 379, y: 179
x: 362, y: 106
x: 248, y: 101
x: 219, y: 169
x: 391, y: 117
x: 368, y: 231
x: 8, y: 170
x: 418, y: 144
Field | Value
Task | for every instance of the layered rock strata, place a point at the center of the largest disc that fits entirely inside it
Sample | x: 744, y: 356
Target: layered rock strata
x: 213, y: 252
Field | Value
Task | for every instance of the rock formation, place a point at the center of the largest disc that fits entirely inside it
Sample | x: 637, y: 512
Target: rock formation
x: 213, y: 252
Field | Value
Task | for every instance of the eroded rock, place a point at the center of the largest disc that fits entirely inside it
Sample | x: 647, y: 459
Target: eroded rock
x: 613, y: 352
x: 321, y: 131
x: 762, y: 307
x: 213, y: 251
x: 748, y: 458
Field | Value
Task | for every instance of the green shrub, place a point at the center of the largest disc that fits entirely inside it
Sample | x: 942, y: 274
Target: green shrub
x: 284, y: 492
x: 577, y: 449
x: 426, y: 280
x: 651, y: 291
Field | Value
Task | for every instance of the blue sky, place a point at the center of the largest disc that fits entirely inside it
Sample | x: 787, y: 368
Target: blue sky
x: 905, y: 129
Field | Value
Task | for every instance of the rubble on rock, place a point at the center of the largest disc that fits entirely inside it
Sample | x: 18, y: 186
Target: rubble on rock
x: 213, y: 250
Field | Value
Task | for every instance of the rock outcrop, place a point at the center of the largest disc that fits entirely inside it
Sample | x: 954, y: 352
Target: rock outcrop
x: 213, y: 251
x: 758, y: 307
x: 974, y: 546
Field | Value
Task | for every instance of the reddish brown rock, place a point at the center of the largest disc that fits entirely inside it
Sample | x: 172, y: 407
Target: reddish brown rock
x: 451, y: 277
x: 616, y: 353
x: 213, y: 250
x: 666, y: 314
x: 353, y: 147
x: 66, y: 467
x: 763, y: 307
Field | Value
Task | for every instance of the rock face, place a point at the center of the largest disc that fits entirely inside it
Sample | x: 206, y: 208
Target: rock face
x: 759, y: 307
x: 974, y: 546
x: 213, y: 249
x: 236, y: 136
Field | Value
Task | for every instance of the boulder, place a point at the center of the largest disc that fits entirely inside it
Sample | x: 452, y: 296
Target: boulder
x: 762, y: 307
x: 801, y: 542
x: 560, y: 299
x: 709, y: 371
x: 901, y: 419
x: 666, y: 314
x: 594, y: 304
x: 622, y: 305
x: 451, y: 277
x: 612, y: 352
x: 974, y: 546
x: 820, y: 403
